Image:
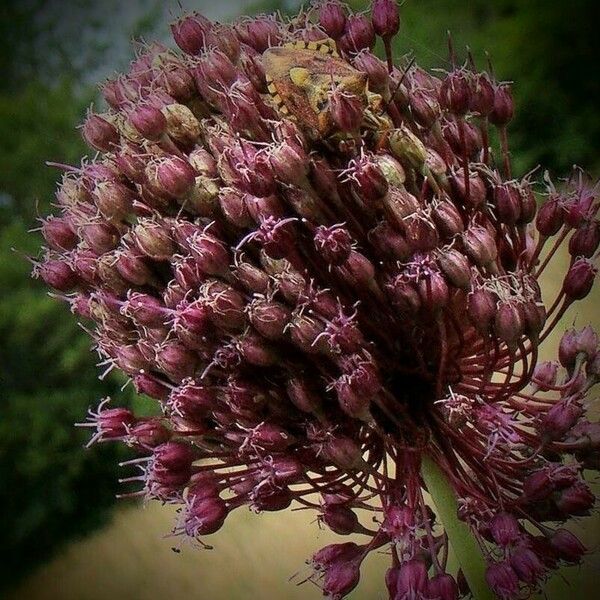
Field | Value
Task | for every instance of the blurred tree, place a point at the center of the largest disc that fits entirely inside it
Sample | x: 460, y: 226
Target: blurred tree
x: 52, y: 488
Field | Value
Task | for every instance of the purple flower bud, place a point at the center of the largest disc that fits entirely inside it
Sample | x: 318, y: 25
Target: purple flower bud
x: 269, y: 318
x: 442, y: 587
x: 559, y: 419
x: 368, y: 179
x: 173, y: 176
x: 271, y: 499
x: 505, y: 529
x: 149, y: 121
x: 346, y: 109
x: 577, y: 499
x: 57, y: 274
x: 528, y: 203
x: 481, y: 308
x: 255, y: 350
x: 544, y: 550
x: 480, y: 246
x: 133, y: 268
x: 399, y: 522
x: 503, y: 580
x: 190, y: 33
x: 153, y: 239
x: 568, y: 349
x: 303, y: 396
x: 333, y: 243
x: 509, y: 323
x: 455, y: 93
x: 144, y: 309
x: 354, y: 404
x: 434, y: 291
x: 385, y: 16
x: 550, y: 217
x: 192, y: 400
x: 173, y: 461
x: 388, y: 242
x: 59, y: 234
x: 251, y: 63
x: 99, y: 133
x: 213, y: 68
x: 264, y: 208
x: 271, y: 437
x: 468, y: 144
x: 455, y: 267
x: 579, y: 279
x: 148, y: 433
x: 234, y: 207
x: 113, y: 199
x: 578, y: 209
x: 340, y: 519
x: 211, y: 255
x: 545, y: 375
x: 332, y: 18
x: 226, y: 304
x: 421, y: 234
x: 585, y: 241
x: 482, y: 94
x: 376, y: 70
x: 567, y: 546
x: 176, y: 361
x: 251, y: 277
x: 403, y: 295
x: 424, y: 107
x: 526, y: 564
x: 110, y: 423
x: 587, y: 342
x: 340, y: 579
x: 507, y: 198
x: 412, y: 580
x: 262, y: 33
x: 332, y: 553
x: 204, y: 515
x: 503, y: 106
x: 343, y: 452
x: 151, y: 386
x: 358, y: 34
x: 540, y: 484
x: 289, y: 162
x: 447, y: 219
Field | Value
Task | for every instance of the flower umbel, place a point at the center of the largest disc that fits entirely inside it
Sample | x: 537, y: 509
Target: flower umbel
x: 322, y: 269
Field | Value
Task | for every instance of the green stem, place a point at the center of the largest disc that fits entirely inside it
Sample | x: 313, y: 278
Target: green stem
x: 462, y: 541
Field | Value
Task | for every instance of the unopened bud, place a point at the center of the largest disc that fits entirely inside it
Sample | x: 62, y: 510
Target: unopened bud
x: 579, y: 279
x: 385, y: 16
x: 585, y: 241
x: 358, y: 34
x: 332, y: 18
x: 568, y: 547
x: 503, y: 106
x: 550, y: 217
x: 100, y: 133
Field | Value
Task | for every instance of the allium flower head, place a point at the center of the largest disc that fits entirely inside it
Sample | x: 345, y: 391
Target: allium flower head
x: 324, y: 273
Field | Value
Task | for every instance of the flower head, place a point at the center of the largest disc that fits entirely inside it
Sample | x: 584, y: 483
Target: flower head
x: 311, y: 260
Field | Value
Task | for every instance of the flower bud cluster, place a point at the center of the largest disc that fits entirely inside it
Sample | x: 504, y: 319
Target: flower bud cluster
x: 314, y: 308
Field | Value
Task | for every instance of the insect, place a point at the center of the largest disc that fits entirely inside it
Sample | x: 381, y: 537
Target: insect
x: 300, y: 76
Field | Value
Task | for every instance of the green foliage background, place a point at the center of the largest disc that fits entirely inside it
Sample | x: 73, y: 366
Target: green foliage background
x: 51, y: 489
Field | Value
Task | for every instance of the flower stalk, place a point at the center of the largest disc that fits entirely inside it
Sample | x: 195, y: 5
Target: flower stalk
x: 462, y: 542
